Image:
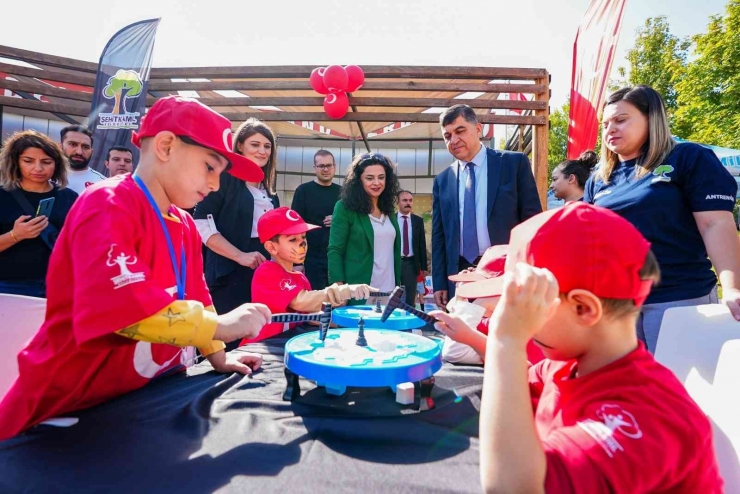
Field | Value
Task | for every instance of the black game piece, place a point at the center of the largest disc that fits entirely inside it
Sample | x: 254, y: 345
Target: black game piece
x: 396, y: 302
x: 361, y: 341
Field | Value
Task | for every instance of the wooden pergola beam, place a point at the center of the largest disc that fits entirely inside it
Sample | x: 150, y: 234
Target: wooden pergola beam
x: 540, y: 145
x: 53, y: 75
x: 34, y: 104
x: 423, y: 103
x: 360, y: 116
x: 287, y: 85
x: 377, y: 117
x: 371, y: 71
x: 45, y: 59
x: 46, y: 90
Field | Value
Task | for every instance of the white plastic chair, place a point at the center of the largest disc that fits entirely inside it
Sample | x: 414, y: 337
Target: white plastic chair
x: 701, y: 345
x: 20, y: 318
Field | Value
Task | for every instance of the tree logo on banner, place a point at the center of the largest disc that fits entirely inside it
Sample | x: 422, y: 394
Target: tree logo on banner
x: 126, y: 84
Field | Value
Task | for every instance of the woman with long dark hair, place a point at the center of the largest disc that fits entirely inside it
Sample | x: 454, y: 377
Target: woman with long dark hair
x: 32, y: 168
x: 365, y: 241
x: 678, y: 195
x: 227, y: 220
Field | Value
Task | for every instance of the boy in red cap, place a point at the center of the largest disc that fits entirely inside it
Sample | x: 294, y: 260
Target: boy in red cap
x: 607, y: 416
x: 277, y: 285
x: 126, y: 292
x: 474, y: 303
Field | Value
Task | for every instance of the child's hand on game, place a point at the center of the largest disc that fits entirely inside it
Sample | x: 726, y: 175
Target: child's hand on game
x: 454, y: 327
x: 530, y: 297
x: 246, y: 321
x: 361, y: 292
x: 241, y: 362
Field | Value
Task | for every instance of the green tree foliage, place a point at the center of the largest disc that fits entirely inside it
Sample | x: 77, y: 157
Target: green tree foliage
x: 709, y: 93
x: 558, y: 139
x: 701, y: 91
x: 658, y: 59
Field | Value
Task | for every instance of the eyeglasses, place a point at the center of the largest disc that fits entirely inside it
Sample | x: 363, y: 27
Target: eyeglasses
x: 324, y: 167
x: 375, y: 157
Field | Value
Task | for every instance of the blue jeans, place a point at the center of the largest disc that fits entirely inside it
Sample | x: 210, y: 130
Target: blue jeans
x: 27, y: 288
x: 651, y: 317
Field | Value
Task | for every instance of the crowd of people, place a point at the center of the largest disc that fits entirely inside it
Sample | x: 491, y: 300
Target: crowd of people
x: 579, y: 291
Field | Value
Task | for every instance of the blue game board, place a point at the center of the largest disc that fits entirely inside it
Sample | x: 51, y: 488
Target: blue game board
x: 347, y: 317
x: 390, y: 358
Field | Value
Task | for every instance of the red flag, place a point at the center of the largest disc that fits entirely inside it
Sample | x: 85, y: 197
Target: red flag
x: 593, y: 54
x: 517, y: 97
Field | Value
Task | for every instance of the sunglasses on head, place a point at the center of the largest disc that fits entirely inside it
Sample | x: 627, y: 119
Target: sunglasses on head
x: 374, y: 157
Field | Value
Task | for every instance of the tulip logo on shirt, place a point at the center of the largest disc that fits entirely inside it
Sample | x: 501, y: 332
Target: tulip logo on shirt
x: 612, y: 419
x: 660, y: 173
x: 287, y: 285
x: 117, y: 257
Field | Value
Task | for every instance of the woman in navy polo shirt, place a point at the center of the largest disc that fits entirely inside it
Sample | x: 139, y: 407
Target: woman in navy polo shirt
x: 678, y: 195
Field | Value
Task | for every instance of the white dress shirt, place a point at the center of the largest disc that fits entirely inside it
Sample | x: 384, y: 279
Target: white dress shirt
x: 384, y: 237
x: 481, y: 197
x: 411, y: 240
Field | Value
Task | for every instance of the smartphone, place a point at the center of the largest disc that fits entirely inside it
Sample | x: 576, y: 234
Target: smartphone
x: 44, y: 208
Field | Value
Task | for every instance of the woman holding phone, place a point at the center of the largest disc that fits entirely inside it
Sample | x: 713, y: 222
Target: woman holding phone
x: 34, y: 203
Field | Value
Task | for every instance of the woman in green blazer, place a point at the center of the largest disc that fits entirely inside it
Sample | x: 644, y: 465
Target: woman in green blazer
x: 365, y: 242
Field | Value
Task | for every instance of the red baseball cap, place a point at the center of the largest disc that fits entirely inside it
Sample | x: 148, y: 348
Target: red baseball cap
x: 487, y: 280
x: 281, y: 221
x: 188, y: 117
x: 491, y: 265
x: 584, y: 246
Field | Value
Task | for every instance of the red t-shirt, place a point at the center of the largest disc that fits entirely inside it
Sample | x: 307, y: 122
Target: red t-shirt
x: 534, y: 353
x: 629, y: 427
x: 275, y: 287
x: 110, y: 269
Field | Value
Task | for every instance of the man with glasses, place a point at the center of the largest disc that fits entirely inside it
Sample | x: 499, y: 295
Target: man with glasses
x: 314, y: 202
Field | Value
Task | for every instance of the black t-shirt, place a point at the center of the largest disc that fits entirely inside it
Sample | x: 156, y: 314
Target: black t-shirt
x: 315, y: 202
x: 28, y: 260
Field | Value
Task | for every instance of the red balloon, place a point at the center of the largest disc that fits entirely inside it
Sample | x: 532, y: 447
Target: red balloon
x: 355, y: 77
x: 317, y: 80
x: 336, y: 105
x: 335, y: 78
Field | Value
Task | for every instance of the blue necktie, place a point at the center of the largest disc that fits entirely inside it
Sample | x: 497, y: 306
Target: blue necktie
x: 470, y: 229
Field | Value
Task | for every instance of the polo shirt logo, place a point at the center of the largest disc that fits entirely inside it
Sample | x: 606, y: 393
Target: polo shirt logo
x: 661, y: 172
x: 117, y: 257
x: 287, y: 285
x: 612, y: 419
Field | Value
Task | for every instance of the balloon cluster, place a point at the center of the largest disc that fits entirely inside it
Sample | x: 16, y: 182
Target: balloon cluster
x: 335, y: 82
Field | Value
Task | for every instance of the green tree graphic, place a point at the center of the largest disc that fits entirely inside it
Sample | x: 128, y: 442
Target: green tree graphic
x: 124, y: 84
x: 662, y: 170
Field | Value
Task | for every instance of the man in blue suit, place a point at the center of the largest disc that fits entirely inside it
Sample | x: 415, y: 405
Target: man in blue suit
x: 476, y: 201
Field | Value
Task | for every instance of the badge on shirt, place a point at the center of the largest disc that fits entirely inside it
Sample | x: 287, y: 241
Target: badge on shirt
x: 118, y: 258
x: 286, y: 284
x: 612, y: 419
x: 661, y: 172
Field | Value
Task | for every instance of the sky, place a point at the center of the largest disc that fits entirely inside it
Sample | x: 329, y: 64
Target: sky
x: 493, y: 33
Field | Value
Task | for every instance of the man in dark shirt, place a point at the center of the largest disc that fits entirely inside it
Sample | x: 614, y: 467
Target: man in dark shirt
x: 315, y: 201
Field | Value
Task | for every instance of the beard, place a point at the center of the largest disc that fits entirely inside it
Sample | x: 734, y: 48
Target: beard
x: 78, y: 165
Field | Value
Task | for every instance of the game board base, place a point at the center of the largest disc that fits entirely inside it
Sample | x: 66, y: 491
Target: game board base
x: 388, y: 358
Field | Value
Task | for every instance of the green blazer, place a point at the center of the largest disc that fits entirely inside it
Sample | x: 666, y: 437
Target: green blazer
x: 350, y: 252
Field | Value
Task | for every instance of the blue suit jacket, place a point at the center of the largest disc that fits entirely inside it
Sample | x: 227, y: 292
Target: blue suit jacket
x: 512, y: 198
